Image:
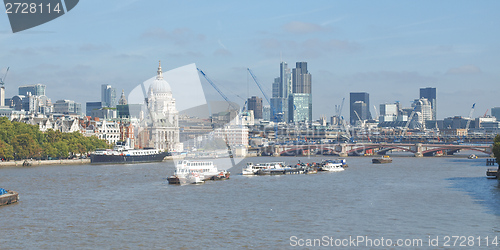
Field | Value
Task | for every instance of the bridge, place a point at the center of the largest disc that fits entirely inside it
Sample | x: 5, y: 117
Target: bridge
x: 360, y: 149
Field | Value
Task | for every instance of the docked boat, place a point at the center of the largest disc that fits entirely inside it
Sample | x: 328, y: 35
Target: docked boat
x: 252, y: 169
x: 333, y: 165
x: 8, y: 197
x: 384, y: 159
x: 492, y: 173
x: 186, y: 172
x: 122, y: 153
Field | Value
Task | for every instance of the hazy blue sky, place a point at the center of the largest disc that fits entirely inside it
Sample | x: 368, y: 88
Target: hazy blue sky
x: 389, y: 49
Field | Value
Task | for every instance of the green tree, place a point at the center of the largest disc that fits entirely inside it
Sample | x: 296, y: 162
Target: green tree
x: 62, y: 149
x: 496, y: 148
x: 6, y: 151
x: 49, y: 151
x: 25, y: 147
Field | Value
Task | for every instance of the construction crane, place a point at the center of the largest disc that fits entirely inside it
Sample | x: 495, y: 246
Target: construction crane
x: 275, y: 118
x: 376, y: 112
x: 485, y: 113
x: 231, y: 104
x: 470, y: 116
x: 260, y: 86
x: 218, y: 90
x: 4, y: 76
x: 338, y: 108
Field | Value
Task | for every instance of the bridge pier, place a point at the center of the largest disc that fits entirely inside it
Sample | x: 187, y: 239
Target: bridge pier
x: 343, y: 150
x: 418, y: 150
x: 276, y: 150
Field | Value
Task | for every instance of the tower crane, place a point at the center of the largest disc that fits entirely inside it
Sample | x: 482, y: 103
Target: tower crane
x: 4, y: 76
x: 408, y: 122
x: 231, y: 104
x: 470, y: 116
x: 275, y: 118
x: 217, y: 89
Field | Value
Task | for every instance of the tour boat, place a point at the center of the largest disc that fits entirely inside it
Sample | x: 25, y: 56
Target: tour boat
x: 252, y: 169
x: 333, y: 165
x: 195, y: 178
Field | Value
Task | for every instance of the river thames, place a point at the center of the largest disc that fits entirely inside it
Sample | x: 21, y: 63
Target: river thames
x: 134, y: 207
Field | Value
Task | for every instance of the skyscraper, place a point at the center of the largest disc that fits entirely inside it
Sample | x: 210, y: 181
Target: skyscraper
x: 37, y: 89
x: 359, y: 102
x: 300, y: 103
x: 301, y: 82
x: 430, y: 94
x: 495, y: 112
x: 255, y: 104
x: 281, y: 91
x: 108, y: 96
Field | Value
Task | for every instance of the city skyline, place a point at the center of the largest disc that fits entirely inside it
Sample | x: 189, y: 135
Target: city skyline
x: 389, y: 53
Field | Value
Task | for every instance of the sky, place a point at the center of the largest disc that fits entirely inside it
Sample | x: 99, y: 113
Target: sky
x: 389, y: 49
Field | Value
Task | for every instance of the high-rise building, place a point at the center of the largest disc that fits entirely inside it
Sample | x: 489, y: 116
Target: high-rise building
x: 90, y: 106
x: 430, y: 94
x: 37, y: 89
x: 301, y: 82
x: 299, y: 107
x: 255, y: 104
x: 67, y: 107
x: 300, y: 103
x: 423, y: 111
x: 495, y: 112
x: 108, y: 96
x: 388, y: 112
x: 362, y: 110
x: 281, y: 90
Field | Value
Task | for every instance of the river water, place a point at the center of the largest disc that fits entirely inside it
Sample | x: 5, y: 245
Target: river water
x: 133, y: 207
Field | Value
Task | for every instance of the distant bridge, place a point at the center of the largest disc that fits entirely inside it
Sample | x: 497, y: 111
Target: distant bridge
x: 356, y: 149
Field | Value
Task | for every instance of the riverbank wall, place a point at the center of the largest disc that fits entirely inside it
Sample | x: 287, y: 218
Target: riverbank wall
x: 44, y: 162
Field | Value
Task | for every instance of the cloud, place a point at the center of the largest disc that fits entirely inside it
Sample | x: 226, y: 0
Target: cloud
x: 303, y: 28
x: 464, y: 70
x: 179, y: 36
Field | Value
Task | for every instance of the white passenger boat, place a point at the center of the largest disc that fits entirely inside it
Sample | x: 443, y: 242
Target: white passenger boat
x: 252, y: 169
x: 195, y: 178
x: 333, y: 165
x: 205, y: 169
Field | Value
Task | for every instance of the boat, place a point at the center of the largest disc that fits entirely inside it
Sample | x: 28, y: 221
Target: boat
x: 185, y: 171
x: 123, y: 153
x: 384, y: 159
x: 333, y: 165
x: 492, y: 173
x: 8, y: 197
x: 472, y: 156
x: 195, y: 178
x: 252, y: 169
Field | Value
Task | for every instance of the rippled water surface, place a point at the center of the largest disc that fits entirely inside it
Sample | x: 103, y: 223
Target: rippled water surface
x: 133, y: 207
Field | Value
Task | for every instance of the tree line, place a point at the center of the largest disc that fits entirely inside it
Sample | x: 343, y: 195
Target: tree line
x: 19, y: 140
